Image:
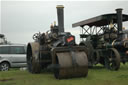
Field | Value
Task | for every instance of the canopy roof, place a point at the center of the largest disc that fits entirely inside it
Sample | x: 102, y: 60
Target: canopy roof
x: 101, y: 20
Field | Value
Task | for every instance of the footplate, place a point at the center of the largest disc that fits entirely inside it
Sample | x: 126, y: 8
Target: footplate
x: 71, y: 62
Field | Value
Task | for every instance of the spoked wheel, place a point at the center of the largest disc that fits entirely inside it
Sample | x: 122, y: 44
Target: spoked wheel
x: 33, y: 61
x: 112, y: 62
x: 4, y: 66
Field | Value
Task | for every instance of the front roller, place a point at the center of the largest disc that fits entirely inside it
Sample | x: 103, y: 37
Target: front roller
x: 70, y: 62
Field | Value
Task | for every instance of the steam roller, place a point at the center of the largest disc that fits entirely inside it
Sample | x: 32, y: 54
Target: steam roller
x: 58, y: 51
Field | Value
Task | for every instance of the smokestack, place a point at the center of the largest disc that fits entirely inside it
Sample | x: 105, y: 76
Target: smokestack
x: 60, y: 16
x: 119, y: 19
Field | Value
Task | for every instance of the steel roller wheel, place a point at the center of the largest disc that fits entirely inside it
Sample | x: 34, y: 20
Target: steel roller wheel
x: 112, y: 62
x: 67, y: 68
x: 4, y: 66
x: 33, y: 61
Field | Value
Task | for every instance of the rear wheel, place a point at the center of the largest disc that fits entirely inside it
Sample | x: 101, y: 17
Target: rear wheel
x: 112, y: 62
x: 33, y: 60
x: 95, y: 57
x: 4, y: 66
x: 90, y: 52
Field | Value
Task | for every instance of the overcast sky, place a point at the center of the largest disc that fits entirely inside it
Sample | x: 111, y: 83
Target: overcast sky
x: 21, y: 19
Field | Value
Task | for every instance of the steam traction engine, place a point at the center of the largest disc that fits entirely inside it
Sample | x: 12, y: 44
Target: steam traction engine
x: 105, y: 40
x: 57, y: 50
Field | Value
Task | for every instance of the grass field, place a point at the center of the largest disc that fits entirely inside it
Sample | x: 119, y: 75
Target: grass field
x: 96, y: 76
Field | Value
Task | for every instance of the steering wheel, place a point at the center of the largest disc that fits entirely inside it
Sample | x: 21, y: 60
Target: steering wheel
x: 35, y: 36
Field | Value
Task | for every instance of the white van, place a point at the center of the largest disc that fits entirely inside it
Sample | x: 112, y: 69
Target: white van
x: 12, y: 56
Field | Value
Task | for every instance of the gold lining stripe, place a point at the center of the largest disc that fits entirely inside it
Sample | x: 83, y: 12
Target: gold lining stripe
x: 113, y: 42
x: 59, y: 6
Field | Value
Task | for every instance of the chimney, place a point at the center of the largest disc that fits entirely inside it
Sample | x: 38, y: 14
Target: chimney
x: 60, y: 16
x: 119, y: 19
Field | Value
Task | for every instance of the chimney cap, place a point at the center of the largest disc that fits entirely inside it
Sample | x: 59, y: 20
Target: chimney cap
x: 119, y: 9
x: 59, y: 6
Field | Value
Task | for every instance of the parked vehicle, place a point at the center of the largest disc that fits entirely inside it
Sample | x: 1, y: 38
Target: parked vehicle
x: 12, y: 55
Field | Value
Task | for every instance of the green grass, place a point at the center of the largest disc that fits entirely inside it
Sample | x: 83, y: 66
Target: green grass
x: 96, y: 76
